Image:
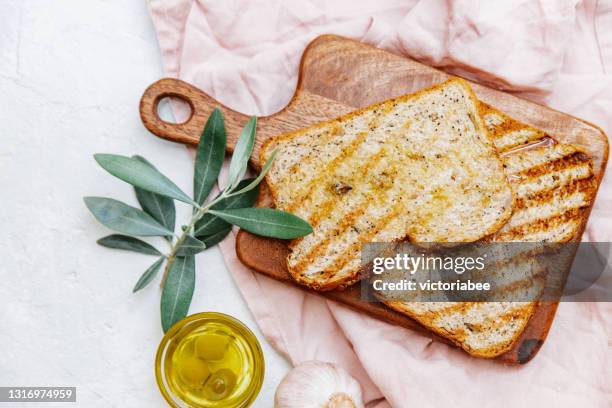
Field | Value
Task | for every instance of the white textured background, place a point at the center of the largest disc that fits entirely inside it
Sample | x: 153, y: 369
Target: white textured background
x: 71, y: 75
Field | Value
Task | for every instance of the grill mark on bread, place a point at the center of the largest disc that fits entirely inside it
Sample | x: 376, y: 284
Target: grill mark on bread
x: 313, y: 155
x: 468, y: 310
x: 345, y: 152
x: 465, y: 332
x: 512, y: 289
x: 573, y: 158
x: 561, y: 231
x: 492, y: 120
x: 553, y: 208
x: 320, y: 246
x: 532, y: 158
x: 338, y: 201
x: 520, y: 232
x: 542, y: 197
x: 323, y: 210
x: 346, y: 221
x: 342, y: 259
x: 490, y: 323
x: 511, y: 264
x: 346, y: 216
x: 532, y: 185
x: 303, y: 157
x: 504, y: 123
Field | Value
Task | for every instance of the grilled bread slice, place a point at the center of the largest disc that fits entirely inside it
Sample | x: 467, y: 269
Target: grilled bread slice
x: 419, y: 167
x: 554, y: 186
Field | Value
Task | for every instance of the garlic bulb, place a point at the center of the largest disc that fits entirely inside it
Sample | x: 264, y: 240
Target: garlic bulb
x: 315, y: 384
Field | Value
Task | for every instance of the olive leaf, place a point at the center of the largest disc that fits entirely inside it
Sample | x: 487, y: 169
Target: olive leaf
x: 157, y: 206
x: 260, y: 177
x: 117, y: 241
x: 266, y: 222
x: 148, y: 275
x: 190, y: 246
x: 139, y: 174
x: 210, y: 224
x: 214, y: 239
x: 209, y: 156
x: 178, y: 291
x: 124, y: 218
x: 242, y: 153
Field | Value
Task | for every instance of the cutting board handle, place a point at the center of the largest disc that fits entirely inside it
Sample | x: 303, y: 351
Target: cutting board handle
x: 200, y: 104
x: 303, y: 110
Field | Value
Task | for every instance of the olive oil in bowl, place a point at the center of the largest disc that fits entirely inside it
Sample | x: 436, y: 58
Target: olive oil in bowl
x: 209, y: 360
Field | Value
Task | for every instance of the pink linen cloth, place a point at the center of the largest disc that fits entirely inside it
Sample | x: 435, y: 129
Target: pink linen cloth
x: 246, y: 55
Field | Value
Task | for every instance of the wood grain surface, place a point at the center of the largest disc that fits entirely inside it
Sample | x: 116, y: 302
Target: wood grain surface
x: 338, y: 75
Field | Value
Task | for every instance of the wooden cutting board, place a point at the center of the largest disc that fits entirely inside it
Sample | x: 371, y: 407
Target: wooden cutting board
x: 336, y: 76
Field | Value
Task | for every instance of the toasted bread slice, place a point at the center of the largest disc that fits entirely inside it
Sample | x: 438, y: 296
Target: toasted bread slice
x: 419, y: 167
x: 554, y: 186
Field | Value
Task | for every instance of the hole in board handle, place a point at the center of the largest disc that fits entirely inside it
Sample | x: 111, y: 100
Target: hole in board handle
x: 173, y: 109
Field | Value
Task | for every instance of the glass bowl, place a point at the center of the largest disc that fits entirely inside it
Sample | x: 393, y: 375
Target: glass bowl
x: 246, y: 358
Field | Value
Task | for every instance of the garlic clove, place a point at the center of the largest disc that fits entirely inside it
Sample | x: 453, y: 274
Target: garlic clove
x: 315, y: 384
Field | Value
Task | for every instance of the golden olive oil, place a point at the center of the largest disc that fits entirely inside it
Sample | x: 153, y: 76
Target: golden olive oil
x: 211, y: 360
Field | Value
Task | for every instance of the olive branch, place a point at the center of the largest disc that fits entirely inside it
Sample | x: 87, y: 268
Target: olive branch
x: 211, y: 220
